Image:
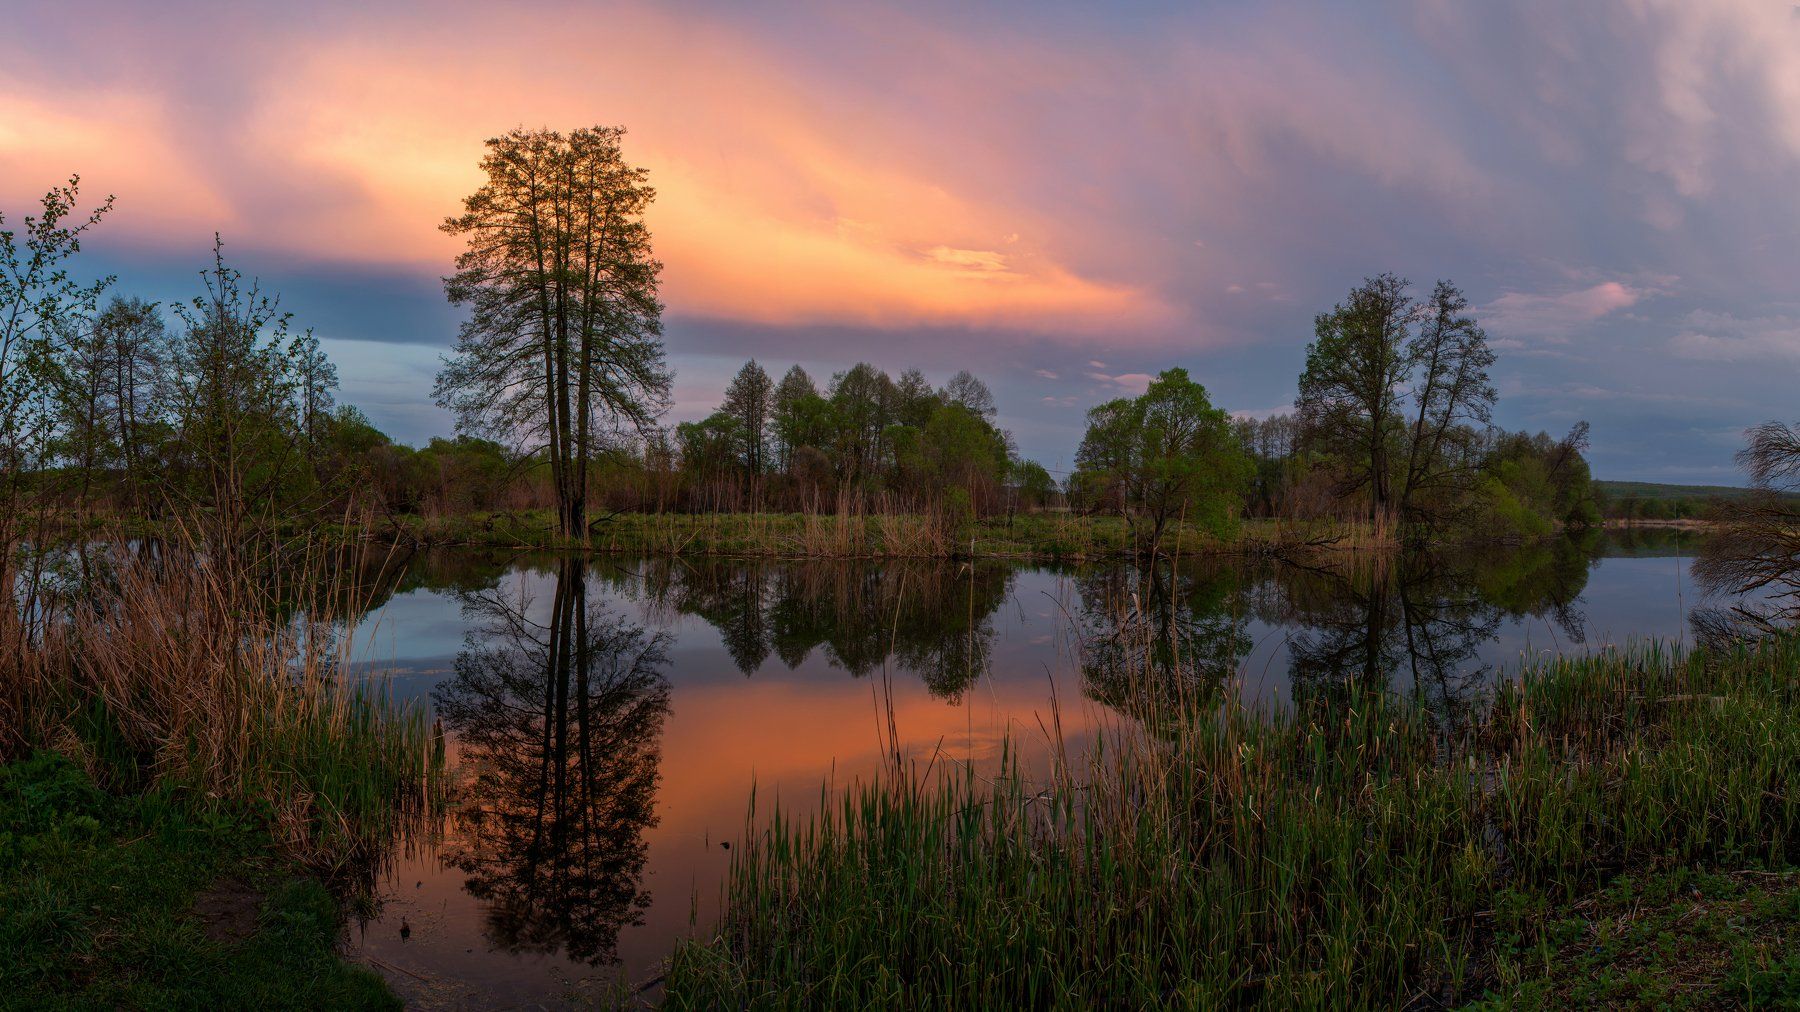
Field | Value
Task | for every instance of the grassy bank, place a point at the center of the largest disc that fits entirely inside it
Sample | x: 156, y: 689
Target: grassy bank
x: 190, y: 758
x: 156, y: 670
x: 1351, y: 851
x: 811, y: 535
x: 160, y: 900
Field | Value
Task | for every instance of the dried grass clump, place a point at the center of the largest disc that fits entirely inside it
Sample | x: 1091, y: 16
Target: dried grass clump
x: 160, y: 668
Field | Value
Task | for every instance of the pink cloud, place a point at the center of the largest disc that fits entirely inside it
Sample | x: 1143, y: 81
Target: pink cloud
x: 1129, y: 382
x: 1555, y: 317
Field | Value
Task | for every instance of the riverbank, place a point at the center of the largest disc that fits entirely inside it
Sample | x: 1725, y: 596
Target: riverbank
x: 1358, y: 849
x: 161, y: 900
x: 1043, y: 536
x: 1628, y: 524
x: 189, y: 765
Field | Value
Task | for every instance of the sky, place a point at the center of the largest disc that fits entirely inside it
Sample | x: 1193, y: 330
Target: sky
x: 1065, y: 198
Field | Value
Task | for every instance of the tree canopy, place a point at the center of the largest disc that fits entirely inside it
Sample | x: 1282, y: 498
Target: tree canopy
x: 1166, y: 455
x: 563, y: 342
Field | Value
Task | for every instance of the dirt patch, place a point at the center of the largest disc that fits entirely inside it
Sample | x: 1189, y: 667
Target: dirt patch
x: 228, y: 910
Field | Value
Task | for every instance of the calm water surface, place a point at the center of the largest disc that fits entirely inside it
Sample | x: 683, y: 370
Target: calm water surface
x: 610, y: 716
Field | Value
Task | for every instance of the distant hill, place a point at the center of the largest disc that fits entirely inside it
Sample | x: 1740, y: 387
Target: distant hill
x: 1647, y: 500
x: 1650, y: 490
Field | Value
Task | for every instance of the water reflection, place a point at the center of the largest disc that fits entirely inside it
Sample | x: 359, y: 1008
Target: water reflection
x: 1422, y: 622
x: 928, y: 617
x: 1155, y: 637
x: 559, y: 724
x: 610, y: 730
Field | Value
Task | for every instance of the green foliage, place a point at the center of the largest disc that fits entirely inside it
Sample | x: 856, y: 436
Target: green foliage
x: 445, y: 476
x: 710, y: 447
x: 1035, y: 486
x: 868, y: 435
x: 1166, y: 455
x: 960, y: 449
x: 98, y: 901
x: 238, y: 450
x: 38, y: 300
x: 1350, y: 391
x: 1643, y: 500
x: 1509, y: 514
x: 1531, y: 485
x: 748, y: 401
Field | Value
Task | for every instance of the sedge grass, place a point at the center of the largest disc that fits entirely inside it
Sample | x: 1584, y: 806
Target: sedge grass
x: 1342, y: 854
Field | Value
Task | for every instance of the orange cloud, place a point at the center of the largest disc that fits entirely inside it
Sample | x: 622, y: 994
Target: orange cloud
x: 119, y: 141
x: 765, y: 212
x: 773, y: 205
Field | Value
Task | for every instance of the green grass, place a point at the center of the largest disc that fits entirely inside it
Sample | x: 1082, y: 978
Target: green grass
x: 103, y: 903
x: 173, y: 676
x: 1049, y: 535
x: 1671, y: 939
x: 1352, y: 851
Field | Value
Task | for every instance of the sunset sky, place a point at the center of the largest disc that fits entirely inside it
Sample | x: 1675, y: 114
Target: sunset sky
x: 1063, y: 197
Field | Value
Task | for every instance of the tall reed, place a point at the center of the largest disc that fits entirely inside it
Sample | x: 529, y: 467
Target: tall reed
x: 160, y: 667
x: 1349, y: 852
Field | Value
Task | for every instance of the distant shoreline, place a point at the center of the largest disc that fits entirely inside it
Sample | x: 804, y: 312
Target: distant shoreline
x: 1688, y: 524
x: 1043, y: 536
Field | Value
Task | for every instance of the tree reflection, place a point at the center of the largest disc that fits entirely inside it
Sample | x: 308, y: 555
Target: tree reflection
x: 1155, y: 637
x: 559, y: 723
x: 928, y: 617
x: 1422, y: 618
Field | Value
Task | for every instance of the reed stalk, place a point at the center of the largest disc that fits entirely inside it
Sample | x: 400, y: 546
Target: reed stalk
x: 1213, y: 853
x: 161, y: 667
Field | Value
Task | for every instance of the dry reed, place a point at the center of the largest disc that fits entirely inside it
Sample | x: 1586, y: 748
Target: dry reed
x: 158, y: 668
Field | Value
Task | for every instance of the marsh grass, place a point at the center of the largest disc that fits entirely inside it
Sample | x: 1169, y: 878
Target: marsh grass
x: 854, y: 531
x: 158, y: 668
x: 1341, y: 852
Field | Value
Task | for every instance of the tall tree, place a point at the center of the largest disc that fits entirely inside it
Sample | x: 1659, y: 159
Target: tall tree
x: 914, y: 399
x: 564, y: 335
x: 860, y: 397
x: 232, y: 386
x: 747, y: 399
x: 1162, y: 456
x: 1355, y: 370
x: 137, y: 352
x: 1451, y: 393
x: 315, y: 378
x: 795, y: 385
x: 86, y: 439
x: 971, y: 393
x: 36, y: 295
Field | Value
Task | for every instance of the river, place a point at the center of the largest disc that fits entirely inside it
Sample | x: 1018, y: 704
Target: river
x: 609, y: 716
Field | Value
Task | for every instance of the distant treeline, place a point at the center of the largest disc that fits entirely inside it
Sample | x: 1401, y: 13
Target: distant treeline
x: 142, y: 413
x: 559, y: 386
x: 1642, y: 500
x: 793, y: 446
